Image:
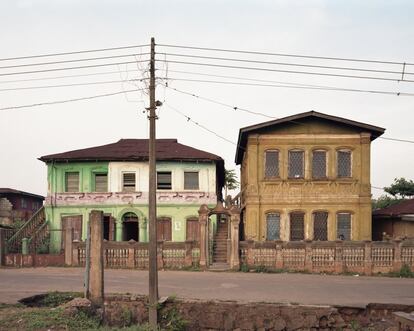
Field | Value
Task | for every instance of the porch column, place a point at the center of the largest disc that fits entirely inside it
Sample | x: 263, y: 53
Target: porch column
x: 203, y: 221
x: 235, y: 222
x: 143, y: 230
x: 118, y: 231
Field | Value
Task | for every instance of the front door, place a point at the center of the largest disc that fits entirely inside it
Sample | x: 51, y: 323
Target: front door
x: 74, y: 223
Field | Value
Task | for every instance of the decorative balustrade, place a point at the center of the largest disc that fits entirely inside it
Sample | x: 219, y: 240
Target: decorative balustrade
x: 335, y: 256
x: 26, y: 231
x: 171, y: 255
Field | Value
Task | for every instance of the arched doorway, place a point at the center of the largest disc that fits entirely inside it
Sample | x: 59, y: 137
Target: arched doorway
x: 130, y: 227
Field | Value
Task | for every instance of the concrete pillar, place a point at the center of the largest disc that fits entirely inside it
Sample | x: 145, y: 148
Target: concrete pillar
x: 367, y: 260
x: 143, y: 238
x: 96, y: 281
x: 203, y: 221
x: 68, y: 246
x: 235, y: 221
x: 118, y: 231
x: 25, y: 246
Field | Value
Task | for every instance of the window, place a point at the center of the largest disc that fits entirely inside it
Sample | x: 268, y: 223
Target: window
x: 164, y: 229
x: 297, y: 231
x: 296, y: 164
x: 320, y: 226
x: 344, y: 163
x: 72, y: 182
x: 193, y: 229
x: 191, y: 180
x: 101, y: 182
x: 23, y: 203
x: 271, y: 164
x: 344, y: 226
x: 319, y: 164
x: 273, y: 226
x: 164, y: 180
x: 128, y: 182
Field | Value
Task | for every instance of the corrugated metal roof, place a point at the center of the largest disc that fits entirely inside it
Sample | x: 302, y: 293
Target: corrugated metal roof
x: 6, y: 190
x: 405, y: 207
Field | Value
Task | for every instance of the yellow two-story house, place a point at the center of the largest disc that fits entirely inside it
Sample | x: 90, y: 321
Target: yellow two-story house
x: 306, y: 177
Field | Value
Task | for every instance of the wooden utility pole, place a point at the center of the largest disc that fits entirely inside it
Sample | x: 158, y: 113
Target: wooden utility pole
x: 152, y: 199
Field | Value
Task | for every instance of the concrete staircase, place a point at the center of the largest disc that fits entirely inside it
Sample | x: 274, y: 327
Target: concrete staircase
x: 220, y: 245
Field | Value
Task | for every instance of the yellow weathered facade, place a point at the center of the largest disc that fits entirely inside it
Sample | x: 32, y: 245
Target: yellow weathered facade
x: 285, y: 193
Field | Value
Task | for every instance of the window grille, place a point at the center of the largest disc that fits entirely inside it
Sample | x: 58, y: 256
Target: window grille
x: 101, y: 182
x: 191, y: 180
x: 320, y: 226
x: 344, y: 163
x: 344, y: 226
x: 296, y: 164
x: 319, y: 164
x: 272, y: 164
x: 297, y: 231
x: 164, y: 180
x: 273, y: 226
x: 128, y: 182
x: 72, y: 182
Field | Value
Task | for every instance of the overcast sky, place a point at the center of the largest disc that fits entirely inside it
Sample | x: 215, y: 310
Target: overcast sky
x: 380, y: 30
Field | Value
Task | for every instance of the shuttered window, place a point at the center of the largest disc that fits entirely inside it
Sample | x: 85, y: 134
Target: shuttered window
x: 344, y: 226
x: 128, y: 182
x: 320, y: 226
x: 273, y: 226
x: 297, y: 231
x: 72, y: 182
x: 164, y: 229
x: 191, y: 180
x: 296, y: 164
x: 193, y: 229
x: 164, y: 180
x: 271, y: 164
x: 101, y: 182
x: 344, y: 163
x: 319, y: 164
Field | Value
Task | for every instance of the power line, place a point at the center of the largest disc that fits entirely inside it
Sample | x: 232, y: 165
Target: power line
x: 310, y: 87
x: 73, y: 84
x: 287, y: 64
x: 262, y: 114
x: 69, y: 100
x: 71, y: 53
x: 71, y: 68
x: 286, y: 55
x: 70, y: 61
x: 286, y: 71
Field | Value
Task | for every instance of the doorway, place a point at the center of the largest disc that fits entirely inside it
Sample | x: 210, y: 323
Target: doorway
x: 130, y: 227
x: 108, y: 227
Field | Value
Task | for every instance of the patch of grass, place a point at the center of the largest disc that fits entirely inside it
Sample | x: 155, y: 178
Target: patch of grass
x: 50, y: 299
x: 171, y: 320
x: 244, y: 268
x: 405, y: 272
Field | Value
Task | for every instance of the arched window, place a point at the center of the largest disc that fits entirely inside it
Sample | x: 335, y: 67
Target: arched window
x: 272, y: 226
x: 192, y: 229
x: 272, y: 164
x: 296, y: 164
x: 297, y: 228
x: 319, y: 164
x: 320, y: 225
x: 344, y: 160
x: 164, y: 229
x: 344, y: 223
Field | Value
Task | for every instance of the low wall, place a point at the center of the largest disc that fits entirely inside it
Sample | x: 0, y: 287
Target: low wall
x: 327, y: 256
x: 171, y: 255
x: 34, y: 260
x: 227, y: 315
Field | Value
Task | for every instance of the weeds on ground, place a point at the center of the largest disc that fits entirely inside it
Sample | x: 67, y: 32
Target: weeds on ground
x: 404, y: 272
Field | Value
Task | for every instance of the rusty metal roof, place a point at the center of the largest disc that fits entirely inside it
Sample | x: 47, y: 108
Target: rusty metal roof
x: 405, y: 207
x: 6, y: 190
x: 300, y: 119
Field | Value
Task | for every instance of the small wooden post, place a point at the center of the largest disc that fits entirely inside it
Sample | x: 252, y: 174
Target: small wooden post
x: 188, y: 253
x: 308, y: 255
x: 367, y: 259
x: 68, y: 246
x: 279, y: 254
x: 339, y: 264
x: 97, y: 269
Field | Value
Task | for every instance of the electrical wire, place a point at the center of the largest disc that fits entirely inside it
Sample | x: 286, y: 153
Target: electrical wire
x: 69, y: 100
x: 75, y: 52
x: 287, y: 71
x: 286, y: 64
x: 285, y: 54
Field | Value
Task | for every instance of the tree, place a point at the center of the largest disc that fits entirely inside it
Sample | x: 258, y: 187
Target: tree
x: 384, y: 201
x: 230, y: 181
x: 401, y: 188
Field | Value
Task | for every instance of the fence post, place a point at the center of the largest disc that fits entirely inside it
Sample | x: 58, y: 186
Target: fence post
x: 250, y: 257
x: 339, y: 262
x: 68, y: 246
x: 279, y: 254
x: 308, y: 255
x: 368, y: 259
x: 131, y: 257
x: 188, y: 260
x: 2, y: 246
x: 75, y: 255
x: 25, y: 246
x: 160, y: 254
x: 397, y: 255
x: 97, y: 269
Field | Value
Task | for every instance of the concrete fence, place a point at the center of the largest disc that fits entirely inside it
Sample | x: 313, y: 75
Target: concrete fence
x: 330, y: 256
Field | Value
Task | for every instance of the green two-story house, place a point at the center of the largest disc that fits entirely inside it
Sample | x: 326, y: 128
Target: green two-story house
x: 114, y: 178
